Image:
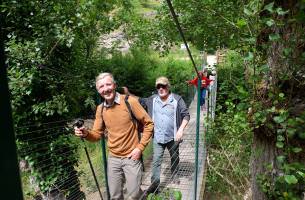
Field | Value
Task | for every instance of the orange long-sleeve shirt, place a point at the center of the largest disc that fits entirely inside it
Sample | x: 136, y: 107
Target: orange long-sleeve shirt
x: 122, y: 132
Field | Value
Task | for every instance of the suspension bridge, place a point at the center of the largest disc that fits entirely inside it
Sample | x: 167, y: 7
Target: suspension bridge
x: 81, y: 181
x: 191, y: 184
x: 86, y: 181
x: 89, y: 181
x: 187, y: 149
x: 191, y: 173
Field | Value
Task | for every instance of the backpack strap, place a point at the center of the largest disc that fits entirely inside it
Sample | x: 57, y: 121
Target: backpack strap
x: 102, y: 110
x: 134, y: 120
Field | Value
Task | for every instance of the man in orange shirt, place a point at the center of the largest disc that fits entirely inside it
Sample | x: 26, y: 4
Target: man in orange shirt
x: 125, y: 148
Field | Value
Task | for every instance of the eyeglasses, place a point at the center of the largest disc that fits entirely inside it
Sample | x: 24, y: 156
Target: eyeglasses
x: 161, y: 86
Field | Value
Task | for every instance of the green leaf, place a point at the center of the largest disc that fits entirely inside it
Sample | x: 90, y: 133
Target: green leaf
x: 279, y: 145
x: 302, y: 135
x: 280, y: 159
x: 279, y: 119
x: 241, y: 23
x: 280, y: 11
x: 269, y: 166
x: 291, y: 179
x: 280, y: 138
x: 249, y: 57
x: 274, y: 37
x: 177, y: 195
x: 270, y: 22
x: 281, y: 95
x: 251, y: 40
x: 297, y: 150
x: 291, y: 132
x: 269, y: 7
x: 247, y: 12
x: 301, y: 174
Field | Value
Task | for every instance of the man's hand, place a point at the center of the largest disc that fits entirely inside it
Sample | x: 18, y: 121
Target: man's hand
x: 81, y: 132
x: 135, y: 154
x: 179, y: 135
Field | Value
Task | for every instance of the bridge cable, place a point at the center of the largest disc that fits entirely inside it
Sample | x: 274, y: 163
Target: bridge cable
x: 198, y: 92
x: 171, y: 8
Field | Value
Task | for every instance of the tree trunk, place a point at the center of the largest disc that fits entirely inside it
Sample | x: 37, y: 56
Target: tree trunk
x: 263, y: 153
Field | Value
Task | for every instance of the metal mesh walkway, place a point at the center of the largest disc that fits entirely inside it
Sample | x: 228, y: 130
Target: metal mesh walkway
x: 186, y: 171
x: 187, y: 166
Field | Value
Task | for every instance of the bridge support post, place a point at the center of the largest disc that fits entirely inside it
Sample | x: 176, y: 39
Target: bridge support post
x: 197, y: 137
x: 10, y: 184
x: 105, y: 166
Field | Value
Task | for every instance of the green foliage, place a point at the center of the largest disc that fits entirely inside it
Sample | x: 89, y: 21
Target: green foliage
x: 47, y: 45
x: 270, y: 78
x: 39, y: 163
x: 264, y: 89
x: 229, y: 136
x: 289, y: 183
x: 138, y: 70
x: 177, y: 72
x: 53, y: 59
x: 275, y: 104
x: 83, y: 167
x: 168, y: 194
x: 207, y: 24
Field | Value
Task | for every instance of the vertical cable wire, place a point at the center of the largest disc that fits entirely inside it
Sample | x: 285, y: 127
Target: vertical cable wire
x: 171, y: 8
x: 198, y: 92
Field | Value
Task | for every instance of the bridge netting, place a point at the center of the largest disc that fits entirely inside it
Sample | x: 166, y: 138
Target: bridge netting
x: 77, y: 182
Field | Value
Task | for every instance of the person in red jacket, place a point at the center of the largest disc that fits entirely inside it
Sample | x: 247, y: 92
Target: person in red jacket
x: 205, y: 82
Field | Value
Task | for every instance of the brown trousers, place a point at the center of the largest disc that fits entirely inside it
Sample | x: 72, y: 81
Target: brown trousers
x: 120, y: 169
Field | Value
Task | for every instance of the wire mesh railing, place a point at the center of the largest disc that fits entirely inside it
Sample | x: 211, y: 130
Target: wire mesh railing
x: 168, y: 187
x: 54, y: 165
x: 41, y: 159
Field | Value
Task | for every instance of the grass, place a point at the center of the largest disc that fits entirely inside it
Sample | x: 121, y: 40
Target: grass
x: 86, y: 176
x: 95, y: 152
x: 148, y: 150
x: 145, y: 6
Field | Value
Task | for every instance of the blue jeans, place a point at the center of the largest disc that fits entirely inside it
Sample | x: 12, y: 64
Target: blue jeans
x: 202, y: 97
x: 173, y: 148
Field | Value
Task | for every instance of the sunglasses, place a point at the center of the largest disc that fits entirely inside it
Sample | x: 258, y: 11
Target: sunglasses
x: 161, y: 86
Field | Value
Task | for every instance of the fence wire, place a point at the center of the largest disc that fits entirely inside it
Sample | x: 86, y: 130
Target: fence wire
x: 76, y: 181
x: 58, y: 172
x: 186, y: 172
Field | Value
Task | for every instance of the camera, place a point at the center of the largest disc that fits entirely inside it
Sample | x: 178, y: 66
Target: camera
x: 78, y: 123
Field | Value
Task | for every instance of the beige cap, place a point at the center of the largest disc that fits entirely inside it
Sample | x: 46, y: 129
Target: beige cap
x: 162, y: 80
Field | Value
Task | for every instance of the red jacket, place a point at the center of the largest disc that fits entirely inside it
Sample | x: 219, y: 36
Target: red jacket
x: 205, y: 82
